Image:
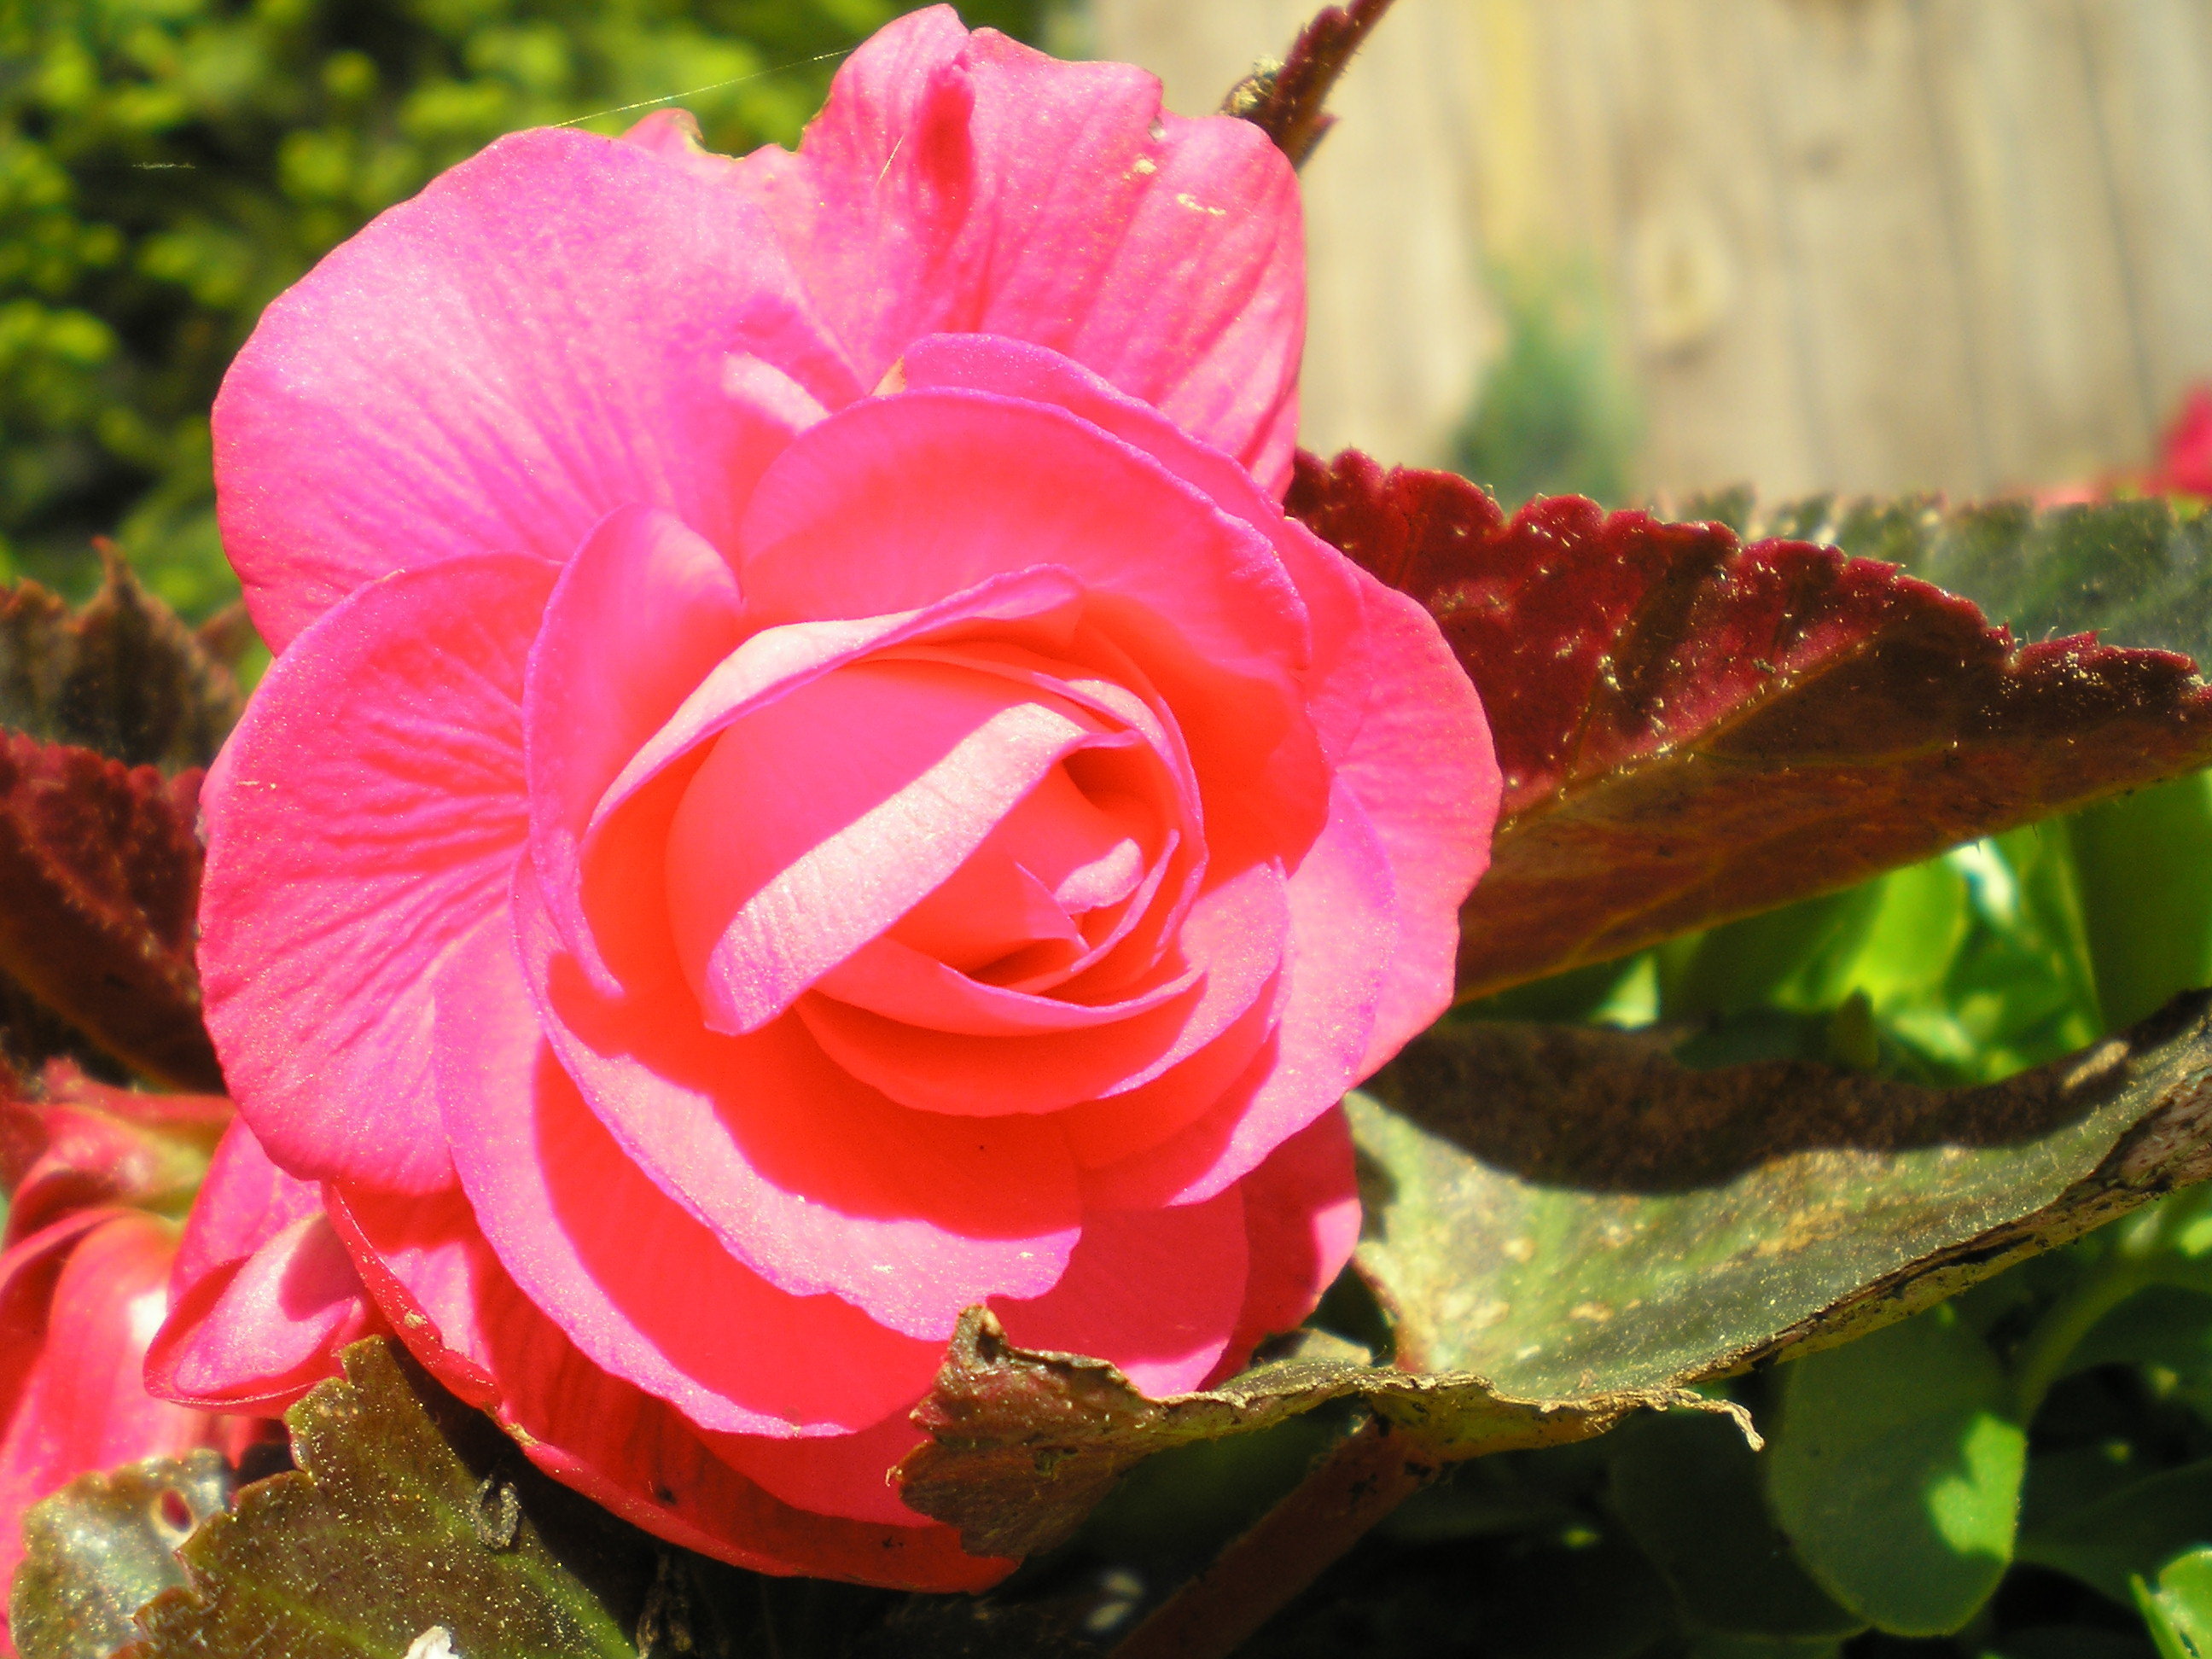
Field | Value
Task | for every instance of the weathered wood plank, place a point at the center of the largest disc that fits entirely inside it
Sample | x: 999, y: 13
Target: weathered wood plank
x: 1865, y: 245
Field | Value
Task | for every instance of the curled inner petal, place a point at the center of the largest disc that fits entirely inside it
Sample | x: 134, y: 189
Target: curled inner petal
x: 819, y: 819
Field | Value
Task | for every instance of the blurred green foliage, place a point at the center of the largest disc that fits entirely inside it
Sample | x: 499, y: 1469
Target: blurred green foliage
x: 167, y: 166
x: 1554, y: 415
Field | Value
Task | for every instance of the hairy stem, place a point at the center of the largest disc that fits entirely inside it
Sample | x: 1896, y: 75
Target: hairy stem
x: 1285, y: 101
x: 1371, y: 1471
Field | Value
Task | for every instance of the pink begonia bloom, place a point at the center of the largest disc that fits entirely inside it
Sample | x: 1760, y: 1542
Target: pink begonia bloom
x: 84, y: 1268
x: 808, y: 785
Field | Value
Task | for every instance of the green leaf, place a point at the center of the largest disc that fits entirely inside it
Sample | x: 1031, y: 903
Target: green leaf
x: 102, y: 1547
x: 2180, y: 1611
x: 1896, y: 1473
x: 1687, y: 1489
x: 2163, y: 1325
x: 2138, y: 573
x: 1567, y: 1226
x: 2144, y: 867
x: 409, y: 1514
x: 1570, y: 1213
x: 2129, y: 1533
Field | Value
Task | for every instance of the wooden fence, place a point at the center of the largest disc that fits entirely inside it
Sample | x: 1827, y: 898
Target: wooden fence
x: 1865, y: 245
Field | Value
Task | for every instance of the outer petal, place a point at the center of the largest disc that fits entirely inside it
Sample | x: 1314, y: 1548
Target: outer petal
x: 1158, y: 1293
x: 77, y: 1304
x: 847, y: 1474
x: 815, y: 1181
x: 1397, y: 717
x: 365, y: 816
x: 1301, y: 1219
x: 958, y: 182
x: 447, y: 1295
x: 538, y: 339
x: 641, y: 614
x: 877, y: 509
x: 1405, y: 729
x: 245, y: 1202
x: 622, y: 1270
x: 257, y: 1333
x: 262, y: 1294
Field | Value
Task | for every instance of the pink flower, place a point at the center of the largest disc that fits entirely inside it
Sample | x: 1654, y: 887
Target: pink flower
x: 2184, y: 454
x: 809, y: 785
x: 83, y: 1284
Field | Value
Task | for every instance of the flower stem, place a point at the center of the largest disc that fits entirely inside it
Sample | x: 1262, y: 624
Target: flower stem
x: 2134, y: 1262
x: 1371, y: 1471
x: 1285, y: 101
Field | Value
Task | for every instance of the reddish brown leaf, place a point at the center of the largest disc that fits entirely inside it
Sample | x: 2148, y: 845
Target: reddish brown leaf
x: 99, y: 876
x: 1693, y: 729
x: 1284, y: 100
x: 122, y: 676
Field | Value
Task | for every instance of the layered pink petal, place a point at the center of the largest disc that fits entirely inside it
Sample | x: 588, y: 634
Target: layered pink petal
x: 619, y: 1266
x: 256, y: 1332
x: 1301, y: 1222
x: 812, y: 1180
x: 1106, y: 1131
x: 78, y: 1303
x: 1342, y: 922
x: 624, y: 899
x: 88, y: 1144
x: 538, y: 339
x: 902, y: 984
x: 887, y: 776
x: 447, y: 1295
x: 363, y: 818
x: 642, y: 613
x: 1235, y: 935
x: 878, y: 508
x: 1405, y: 731
x: 1398, y: 720
x: 1157, y: 1292
x: 958, y: 182
x: 426, y: 1266
x: 245, y: 1202
x: 1189, y: 602
x: 262, y: 1295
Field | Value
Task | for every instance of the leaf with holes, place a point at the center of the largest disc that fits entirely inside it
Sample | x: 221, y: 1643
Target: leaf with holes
x: 1693, y: 729
x: 122, y: 676
x: 99, y: 876
x: 409, y: 1513
x: 102, y: 1547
